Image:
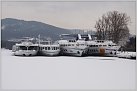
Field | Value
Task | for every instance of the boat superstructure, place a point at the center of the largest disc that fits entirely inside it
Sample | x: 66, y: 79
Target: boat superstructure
x: 49, y: 49
x: 111, y: 49
x: 100, y: 47
x: 25, y: 48
x: 75, y: 46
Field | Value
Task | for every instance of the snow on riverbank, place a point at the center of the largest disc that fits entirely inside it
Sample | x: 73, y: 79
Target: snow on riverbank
x: 64, y: 72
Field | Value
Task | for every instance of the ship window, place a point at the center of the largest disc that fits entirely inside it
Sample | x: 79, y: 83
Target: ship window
x: 48, y: 48
x: 32, y: 48
x: 92, y: 45
x: 45, y: 48
x: 35, y: 48
x: 65, y: 50
x: 23, y: 47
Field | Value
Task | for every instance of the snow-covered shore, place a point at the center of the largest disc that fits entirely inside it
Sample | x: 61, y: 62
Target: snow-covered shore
x: 130, y: 55
x: 64, y: 72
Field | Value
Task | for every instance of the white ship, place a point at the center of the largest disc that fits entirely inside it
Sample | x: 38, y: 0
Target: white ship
x: 100, y: 47
x: 73, y: 47
x: 48, y: 49
x: 25, y: 48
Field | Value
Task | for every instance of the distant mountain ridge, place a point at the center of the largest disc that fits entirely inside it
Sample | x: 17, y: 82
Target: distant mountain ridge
x: 14, y: 28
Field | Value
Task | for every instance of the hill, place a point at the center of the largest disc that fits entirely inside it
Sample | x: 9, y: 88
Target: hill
x: 14, y: 28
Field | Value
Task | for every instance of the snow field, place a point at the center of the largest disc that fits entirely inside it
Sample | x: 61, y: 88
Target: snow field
x: 64, y: 72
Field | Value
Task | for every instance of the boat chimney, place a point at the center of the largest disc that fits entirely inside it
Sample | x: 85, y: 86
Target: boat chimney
x: 79, y: 36
x: 89, y: 36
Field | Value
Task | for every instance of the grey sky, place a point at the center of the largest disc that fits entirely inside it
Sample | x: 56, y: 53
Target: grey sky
x: 71, y: 15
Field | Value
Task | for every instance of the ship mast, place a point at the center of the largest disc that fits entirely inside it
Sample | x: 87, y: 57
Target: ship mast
x: 39, y: 39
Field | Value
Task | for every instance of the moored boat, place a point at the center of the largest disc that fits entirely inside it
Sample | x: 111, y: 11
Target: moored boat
x: 74, y: 47
x: 48, y: 49
x: 25, y: 49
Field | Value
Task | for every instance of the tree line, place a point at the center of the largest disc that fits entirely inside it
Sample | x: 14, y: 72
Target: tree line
x: 114, y: 26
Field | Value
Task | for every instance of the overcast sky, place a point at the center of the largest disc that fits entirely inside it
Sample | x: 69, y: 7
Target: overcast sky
x: 70, y: 15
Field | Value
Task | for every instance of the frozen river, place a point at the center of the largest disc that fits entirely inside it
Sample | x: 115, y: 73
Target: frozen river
x: 65, y: 72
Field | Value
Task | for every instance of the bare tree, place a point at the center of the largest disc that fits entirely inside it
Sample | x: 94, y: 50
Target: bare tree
x: 113, y: 26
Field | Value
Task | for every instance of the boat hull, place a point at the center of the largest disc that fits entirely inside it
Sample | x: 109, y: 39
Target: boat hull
x: 50, y: 52
x: 74, y: 51
x: 26, y: 53
x: 103, y: 51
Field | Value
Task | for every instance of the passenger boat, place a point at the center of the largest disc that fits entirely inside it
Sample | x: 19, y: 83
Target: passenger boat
x: 100, y: 47
x: 74, y: 45
x: 25, y: 48
x: 49, y: 49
